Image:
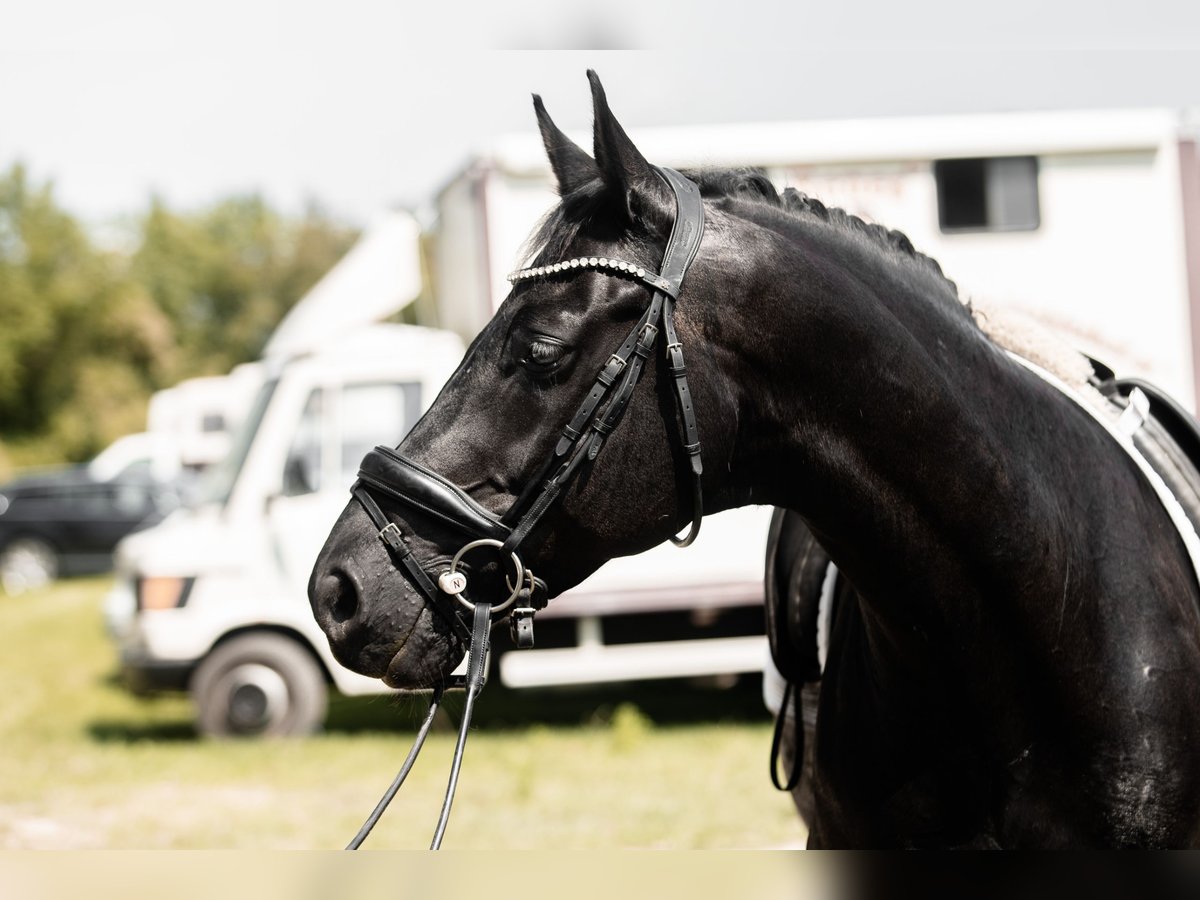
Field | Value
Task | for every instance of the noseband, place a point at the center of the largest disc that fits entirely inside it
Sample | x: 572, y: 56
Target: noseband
x: 387, y: 474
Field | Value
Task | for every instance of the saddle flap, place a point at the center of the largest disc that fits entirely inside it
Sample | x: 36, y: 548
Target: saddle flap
x: 389, y: 473
x: 795, y: 574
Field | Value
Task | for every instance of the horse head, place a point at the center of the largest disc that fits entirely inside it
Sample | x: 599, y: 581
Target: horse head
x: 510, y: 451
x: 1024, y: 633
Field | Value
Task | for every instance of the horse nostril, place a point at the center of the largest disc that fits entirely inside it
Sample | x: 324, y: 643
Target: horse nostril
x: 344, y: 598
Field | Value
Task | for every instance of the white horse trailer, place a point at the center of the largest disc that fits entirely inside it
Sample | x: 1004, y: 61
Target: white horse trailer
x: 1090, y: 221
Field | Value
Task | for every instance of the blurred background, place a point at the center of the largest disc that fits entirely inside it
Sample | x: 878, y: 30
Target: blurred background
x: 239, y: 246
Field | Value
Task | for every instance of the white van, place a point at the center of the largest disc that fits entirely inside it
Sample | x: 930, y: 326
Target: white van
x: 214, y: 599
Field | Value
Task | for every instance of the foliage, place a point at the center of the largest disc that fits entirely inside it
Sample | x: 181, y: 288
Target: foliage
x: 89, y: 333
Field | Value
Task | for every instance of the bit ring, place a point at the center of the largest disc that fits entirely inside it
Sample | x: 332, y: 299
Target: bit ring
x: 518, y: 571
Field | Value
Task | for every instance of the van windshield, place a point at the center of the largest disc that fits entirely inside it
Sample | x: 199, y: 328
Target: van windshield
x: 218, y: 482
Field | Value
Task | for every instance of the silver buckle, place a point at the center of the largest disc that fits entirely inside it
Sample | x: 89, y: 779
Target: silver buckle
x: 394, y: 529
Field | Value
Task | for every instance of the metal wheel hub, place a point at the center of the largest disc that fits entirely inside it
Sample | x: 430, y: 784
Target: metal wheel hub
x: 258, y: 696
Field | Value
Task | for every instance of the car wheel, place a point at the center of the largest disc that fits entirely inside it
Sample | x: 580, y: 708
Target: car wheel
x: 259, y: 685
x: 27, y: 563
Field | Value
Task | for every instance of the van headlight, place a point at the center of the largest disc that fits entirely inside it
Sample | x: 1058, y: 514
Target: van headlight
x: 162, y: 593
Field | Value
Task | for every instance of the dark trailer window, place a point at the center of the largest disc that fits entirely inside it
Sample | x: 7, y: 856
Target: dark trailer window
x: 998, y: 193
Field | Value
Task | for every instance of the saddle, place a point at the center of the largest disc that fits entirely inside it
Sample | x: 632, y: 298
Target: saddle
x: 801, y: 579
x: 796, y: 573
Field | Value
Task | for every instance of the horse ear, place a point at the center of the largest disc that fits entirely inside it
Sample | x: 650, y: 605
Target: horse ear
x: 625, y: 171
x: 571, y: 165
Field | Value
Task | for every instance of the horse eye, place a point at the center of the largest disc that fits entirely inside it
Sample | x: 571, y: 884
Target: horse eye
x: 544, y: 354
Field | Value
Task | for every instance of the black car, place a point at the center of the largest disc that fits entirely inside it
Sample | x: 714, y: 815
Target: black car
x: 67, y: 522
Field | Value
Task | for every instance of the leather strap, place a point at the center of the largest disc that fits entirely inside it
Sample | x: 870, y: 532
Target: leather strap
x: 793, y: 777
x: 476, y: 670
x: 686, y: 232
x: 409, y: 760
x: 476, y: 675
x: 604, y: 381
x: 691, y: 432
x: 398, y: 549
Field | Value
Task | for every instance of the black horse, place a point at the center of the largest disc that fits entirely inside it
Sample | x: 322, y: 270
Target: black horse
x: 1018, y: 662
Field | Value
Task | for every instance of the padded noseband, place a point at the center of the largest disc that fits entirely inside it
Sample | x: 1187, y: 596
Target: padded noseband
x: 387, y: 472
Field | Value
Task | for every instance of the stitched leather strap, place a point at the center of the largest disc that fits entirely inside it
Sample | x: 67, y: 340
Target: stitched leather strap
x: 691, y: 432
x: 386, y: 471
x: 686, y: 232
x: 398, y: 549
x: 476, y: 669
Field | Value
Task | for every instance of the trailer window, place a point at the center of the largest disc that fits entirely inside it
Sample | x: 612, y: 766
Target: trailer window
x: 372, y: 414
x: 994, y: 194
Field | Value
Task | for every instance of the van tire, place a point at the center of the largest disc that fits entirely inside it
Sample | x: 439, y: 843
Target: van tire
x: 259, y: 685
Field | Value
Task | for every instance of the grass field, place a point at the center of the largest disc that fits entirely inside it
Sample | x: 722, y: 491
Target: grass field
x: 85, y: 765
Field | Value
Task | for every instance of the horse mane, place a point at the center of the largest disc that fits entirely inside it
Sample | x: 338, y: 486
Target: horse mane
x: 559, y: 228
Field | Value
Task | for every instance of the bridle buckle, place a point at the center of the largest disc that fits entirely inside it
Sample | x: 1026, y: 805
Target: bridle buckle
x: 391, y: 535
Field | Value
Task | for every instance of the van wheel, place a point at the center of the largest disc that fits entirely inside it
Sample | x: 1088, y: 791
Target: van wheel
x: 26, y: 564
x: 259, y: 685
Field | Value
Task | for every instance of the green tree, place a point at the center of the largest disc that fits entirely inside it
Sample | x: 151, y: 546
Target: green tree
x: 226, y: 275
x: 86, y: 335
x: 68, y: 307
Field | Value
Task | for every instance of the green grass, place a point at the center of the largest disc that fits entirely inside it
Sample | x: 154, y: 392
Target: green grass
x: 84, y: 764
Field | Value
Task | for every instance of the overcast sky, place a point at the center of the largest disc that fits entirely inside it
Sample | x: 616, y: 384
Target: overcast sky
x: 367, y: 104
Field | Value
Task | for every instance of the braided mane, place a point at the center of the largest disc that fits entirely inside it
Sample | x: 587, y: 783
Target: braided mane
x: 753, y: 184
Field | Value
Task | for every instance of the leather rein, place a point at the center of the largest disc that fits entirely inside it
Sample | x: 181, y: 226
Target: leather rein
x: 387, y: 474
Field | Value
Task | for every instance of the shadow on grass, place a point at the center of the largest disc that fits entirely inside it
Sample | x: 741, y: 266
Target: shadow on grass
x: 112, y: 732
x: 665, y: 703
x: 499, y: 709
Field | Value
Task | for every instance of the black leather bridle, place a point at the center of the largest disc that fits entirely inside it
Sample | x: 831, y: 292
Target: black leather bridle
x: 387, y: 474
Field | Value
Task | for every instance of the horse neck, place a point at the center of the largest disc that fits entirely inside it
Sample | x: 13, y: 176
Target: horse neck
x: 875, y: 408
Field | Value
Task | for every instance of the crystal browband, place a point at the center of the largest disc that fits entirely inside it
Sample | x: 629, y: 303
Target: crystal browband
x: 600, y: 264
x: 582, y: 262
